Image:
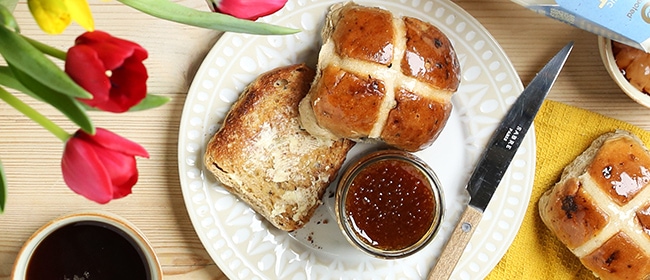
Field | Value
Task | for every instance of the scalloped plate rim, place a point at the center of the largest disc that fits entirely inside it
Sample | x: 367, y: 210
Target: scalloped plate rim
x: 467, y: 264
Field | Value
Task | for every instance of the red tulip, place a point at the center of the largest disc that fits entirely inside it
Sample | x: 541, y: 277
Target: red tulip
x: 101, y: 167
x: 247, y: 9
x: 110, y: 68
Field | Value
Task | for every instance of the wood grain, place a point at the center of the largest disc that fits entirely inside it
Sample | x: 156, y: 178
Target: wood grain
x: 31, y: 156
x: 456, y: 244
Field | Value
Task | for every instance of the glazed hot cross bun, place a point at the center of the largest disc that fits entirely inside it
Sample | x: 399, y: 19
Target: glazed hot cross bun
x: 600, y: 208
x: 381, y: 78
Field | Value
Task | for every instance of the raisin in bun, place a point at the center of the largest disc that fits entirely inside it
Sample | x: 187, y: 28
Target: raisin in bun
x: 600, y: 208
x: 381, y: 78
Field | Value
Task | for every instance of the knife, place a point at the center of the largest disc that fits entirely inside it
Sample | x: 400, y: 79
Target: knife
x: 496, y: 158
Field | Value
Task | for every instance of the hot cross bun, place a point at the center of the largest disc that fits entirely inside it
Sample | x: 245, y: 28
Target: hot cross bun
x: 600, y: 208
x: 381, y: 78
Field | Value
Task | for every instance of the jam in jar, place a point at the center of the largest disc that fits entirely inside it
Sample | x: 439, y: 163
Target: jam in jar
x: 389, y: 204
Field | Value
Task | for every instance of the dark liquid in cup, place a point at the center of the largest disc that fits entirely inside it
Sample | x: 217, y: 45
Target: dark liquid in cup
x: 88, y: 250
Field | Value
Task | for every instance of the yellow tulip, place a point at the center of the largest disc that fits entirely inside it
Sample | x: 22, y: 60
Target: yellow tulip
x: 80, y: 13
x: 53, y: 16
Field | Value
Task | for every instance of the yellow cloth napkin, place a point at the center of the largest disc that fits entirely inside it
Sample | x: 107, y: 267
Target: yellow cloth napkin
x: 563, y: 132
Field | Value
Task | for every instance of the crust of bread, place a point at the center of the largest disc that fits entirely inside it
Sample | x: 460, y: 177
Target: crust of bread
x: 600, y: 207
x: 381, y: 78
x: 261, y: 154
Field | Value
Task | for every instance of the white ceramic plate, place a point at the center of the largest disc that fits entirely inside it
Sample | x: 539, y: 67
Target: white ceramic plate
x: 245, y: 246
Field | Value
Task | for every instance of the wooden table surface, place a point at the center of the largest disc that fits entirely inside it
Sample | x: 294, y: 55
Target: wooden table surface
x: 31, y: 156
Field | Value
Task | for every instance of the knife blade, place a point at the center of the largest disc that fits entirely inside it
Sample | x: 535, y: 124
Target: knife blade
x: 496, y: 158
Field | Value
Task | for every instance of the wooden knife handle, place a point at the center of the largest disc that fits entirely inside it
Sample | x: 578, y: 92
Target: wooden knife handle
x: 456, y: 244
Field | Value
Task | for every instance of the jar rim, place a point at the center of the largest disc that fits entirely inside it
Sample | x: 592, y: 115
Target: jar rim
x: 433, y: 183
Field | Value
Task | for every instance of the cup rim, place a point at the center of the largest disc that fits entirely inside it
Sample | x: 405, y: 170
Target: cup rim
x: 24, y: 255
x: 607, y: 56
x: 348, y: 177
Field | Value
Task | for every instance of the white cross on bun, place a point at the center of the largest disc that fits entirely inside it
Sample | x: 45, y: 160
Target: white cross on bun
x: 381, y: 78
x: 600, y: 208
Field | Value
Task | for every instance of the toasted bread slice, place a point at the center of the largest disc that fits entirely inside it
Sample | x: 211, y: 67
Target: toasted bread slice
x: 261, y: 154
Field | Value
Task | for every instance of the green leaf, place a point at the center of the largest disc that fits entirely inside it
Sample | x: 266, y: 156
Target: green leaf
x: 7, y: 79
x: 22, y: 55
x: 172, y: 11
x: 34, y: 115
x: 70, y: 107
x: 10, y: 5
x: 47, y: 49
x: 3, y: 189
x: 150, y: 102
x: 6, y: 18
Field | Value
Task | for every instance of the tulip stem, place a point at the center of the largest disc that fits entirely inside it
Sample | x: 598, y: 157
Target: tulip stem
x: 34, y: 115
x: 47, y: 49
x: 168, y: 10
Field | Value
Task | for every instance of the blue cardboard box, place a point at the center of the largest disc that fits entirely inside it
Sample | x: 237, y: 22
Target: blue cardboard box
x: 626, y: 21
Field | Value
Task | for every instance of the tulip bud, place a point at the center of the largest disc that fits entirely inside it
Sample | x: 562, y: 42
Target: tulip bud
x: 100, y: 167
x: 246, y: 9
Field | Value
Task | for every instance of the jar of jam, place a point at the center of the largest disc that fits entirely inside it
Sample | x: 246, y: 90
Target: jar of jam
x: 389, y: 204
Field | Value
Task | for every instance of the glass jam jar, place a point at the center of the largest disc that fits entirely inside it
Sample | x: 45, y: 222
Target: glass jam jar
x: 389, y: 204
